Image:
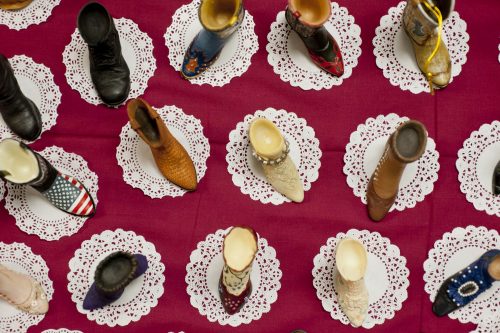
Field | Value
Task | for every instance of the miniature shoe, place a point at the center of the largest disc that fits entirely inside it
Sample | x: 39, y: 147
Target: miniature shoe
x: 463, y: 287
x: 271, y: 149
x: 496, y: 179
x: 170, y: 156
x: 405, y: 145
x: 307, y: 18
x: 220, y: 19
x: 18, y: 111
x: 108, y: 69
x: 422, y: 22
x: 239, y: 250
x: 14, y: 4
x: 23, y: 292
x: 352, y: 260
x: 22, y: 166
x: 112, y: 276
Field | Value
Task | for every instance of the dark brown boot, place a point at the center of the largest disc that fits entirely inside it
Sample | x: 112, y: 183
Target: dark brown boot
x: 405, y: 145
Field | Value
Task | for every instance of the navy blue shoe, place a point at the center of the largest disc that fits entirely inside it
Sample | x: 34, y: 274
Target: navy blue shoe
x: 220, y: 19
x: 112, y: 275
x: 463, y: 287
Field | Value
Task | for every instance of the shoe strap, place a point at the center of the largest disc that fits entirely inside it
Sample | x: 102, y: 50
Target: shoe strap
x: 435, y: 10
x: 276, y: 161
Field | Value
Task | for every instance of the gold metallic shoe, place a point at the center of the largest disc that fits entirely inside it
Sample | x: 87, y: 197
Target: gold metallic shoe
x: 14, y: 287
x: 423, y: 23
x: 14, y: 4
x: 271, y: 149
x: 351, y: 262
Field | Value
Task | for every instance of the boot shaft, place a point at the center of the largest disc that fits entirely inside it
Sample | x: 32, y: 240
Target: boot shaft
x: 420, y: 23
x: 221, y: 17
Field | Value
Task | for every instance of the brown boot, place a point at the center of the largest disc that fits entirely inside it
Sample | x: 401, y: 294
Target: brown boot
x: 170, y: 156
x: 14, y: 4
x: 405, y: 145
x: 421, y: 25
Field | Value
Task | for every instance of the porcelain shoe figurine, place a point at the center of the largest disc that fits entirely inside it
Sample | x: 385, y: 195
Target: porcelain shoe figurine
x: 307, y: 18
x: 422, y: 22
x: 351, y: 260
x: 496, y: 179
x: 465, y: 286
x: 18, y: 111
x: 22, y: 166
x: 405, y: 145
x: 14, y: 4
x: 220, y: 19
x: 172, y: 159
x: 271, y: 149
x: 108, y: 69
x: 112, y: 276
x: 239, y: 250
x: 23, y: 292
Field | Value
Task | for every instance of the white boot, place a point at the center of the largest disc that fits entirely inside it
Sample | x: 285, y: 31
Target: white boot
x: 352, y: 294
x: 271, y: 149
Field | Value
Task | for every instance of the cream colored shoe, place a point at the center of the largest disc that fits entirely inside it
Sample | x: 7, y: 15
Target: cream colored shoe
x: 23, y: 292
x: 271, y: 149
x: 351, y: 258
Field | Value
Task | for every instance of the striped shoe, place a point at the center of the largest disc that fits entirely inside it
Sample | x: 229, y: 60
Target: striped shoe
x: 23, y: 166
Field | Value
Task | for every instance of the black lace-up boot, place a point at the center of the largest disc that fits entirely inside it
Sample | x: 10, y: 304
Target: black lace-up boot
x: 18, y: 111
x: 108, y: 68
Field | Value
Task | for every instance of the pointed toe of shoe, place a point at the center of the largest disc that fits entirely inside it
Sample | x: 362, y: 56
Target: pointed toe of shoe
x: 96, y: 300
x: 356, y: 320
x: 375, y: 212
x: 441, y: 80
x: 41, y: 308
x: 297, y: 195
x: 442, y: 304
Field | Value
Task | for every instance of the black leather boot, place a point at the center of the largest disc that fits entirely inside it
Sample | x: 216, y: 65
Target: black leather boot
x: 496, y: 179
x: 18, y: 111
x: 108, y: 68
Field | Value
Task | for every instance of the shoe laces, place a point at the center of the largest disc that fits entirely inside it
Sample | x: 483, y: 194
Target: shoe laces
x: 104, y: 53
x: 437, y: 13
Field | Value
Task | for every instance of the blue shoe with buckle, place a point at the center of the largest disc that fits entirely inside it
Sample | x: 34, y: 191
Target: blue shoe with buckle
x: 463, y: 287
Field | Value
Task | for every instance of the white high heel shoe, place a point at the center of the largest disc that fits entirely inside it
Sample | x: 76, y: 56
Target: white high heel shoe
x: 351, y: 259
x: 271, y: 149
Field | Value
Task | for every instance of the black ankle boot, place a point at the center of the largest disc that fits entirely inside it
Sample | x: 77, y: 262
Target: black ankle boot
x: 108, y: 69
x: 18, y: 111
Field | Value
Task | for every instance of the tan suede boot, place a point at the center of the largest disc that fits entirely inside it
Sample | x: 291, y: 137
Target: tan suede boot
x: 422, y: 26
x: 14, y: 4
x: 271, y: 149
x: 23, y: 292
x: 351, y: 262
x: 405, y: 145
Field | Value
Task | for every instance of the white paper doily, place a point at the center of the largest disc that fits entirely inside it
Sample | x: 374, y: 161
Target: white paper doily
x: 289, y: 58
x: 137, y: 49
x: 395, y: 56
x: 363, y: 153
x: 140, y: 296
x: 386, y: 277
x: 247, y: 172
x: 34, y: 214
x: 35, y: 13
x: 139, y: 167
x: 37, y: 83
x: 476, y: 162
x: 20, y: 258
x: 203, y: 273
x: 488, y: 325
x: 452, y: 253
x: 61, y: 330
x: 235, y: 57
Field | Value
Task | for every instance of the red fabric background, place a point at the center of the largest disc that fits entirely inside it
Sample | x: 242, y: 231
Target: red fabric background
x: 296, y: 231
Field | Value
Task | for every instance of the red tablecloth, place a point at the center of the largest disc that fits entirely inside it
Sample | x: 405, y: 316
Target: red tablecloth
x: 295, y: 231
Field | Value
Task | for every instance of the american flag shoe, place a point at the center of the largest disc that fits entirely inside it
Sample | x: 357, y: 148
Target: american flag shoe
x: 69, y: 195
